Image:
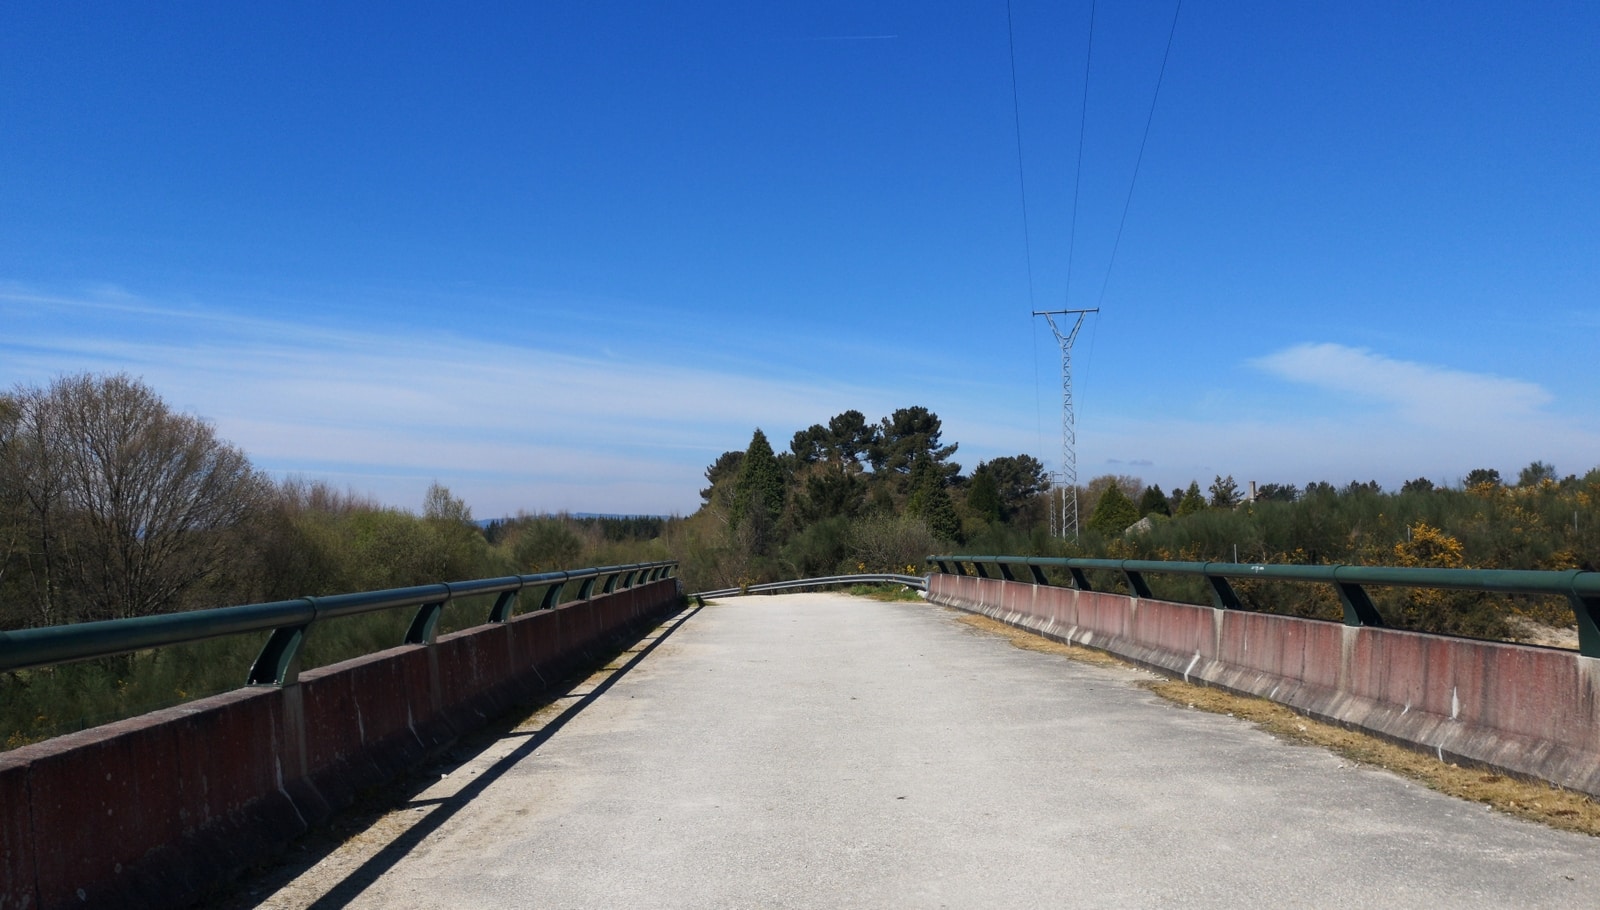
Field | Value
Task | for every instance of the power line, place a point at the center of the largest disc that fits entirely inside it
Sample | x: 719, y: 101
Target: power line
x: 1016, y: 119
x: 1077, y: 180
x: 1140, y: 160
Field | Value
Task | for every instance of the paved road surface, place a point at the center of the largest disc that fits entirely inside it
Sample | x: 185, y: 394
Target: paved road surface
x: 823, y: 751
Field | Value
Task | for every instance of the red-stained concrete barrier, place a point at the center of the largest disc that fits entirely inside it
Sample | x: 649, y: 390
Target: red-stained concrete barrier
x: 1526, y: 710
x: 154, y: 810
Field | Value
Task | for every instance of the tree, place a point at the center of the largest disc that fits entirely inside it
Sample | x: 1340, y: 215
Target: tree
x: 983, y: 495
x: 850, y: 437
x: 759, y: 487
x: 1417, y: 485
x: 1154, y: 502
x: 907, y: 434
x: 811, y: 444
x: 1192, y: 501
x: 930, y: 501
x: 1277, y: 492
x: 440, y: 505
x: 725, y: 468
x: 1224, y: 492
x: 1478, y: 477
x: 1019, y: 478
x: 1113, y: 513
x: 131, y: 507
x: 1536, y: 473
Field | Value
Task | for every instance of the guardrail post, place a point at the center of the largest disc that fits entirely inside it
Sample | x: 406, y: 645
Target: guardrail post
x: 586, y: 590
x: 611, y: 583
x: 1359, y: 609
x: 1136, y: 583
x: 503, y: 605
x: 552, y: 596
x: 1223, y: 596
x: 1038, y: 576
x: 982, y: 572
x: 278, y: 664
x: 1080, y: 579
x: 1005, y: 572
x: 425, y: 625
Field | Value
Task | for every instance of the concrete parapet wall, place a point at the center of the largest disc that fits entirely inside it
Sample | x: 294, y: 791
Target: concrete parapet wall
x: 1526, y: 710
x: 153, y: 810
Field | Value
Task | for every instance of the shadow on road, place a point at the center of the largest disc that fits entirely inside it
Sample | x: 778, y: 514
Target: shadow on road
x: 443, y: 809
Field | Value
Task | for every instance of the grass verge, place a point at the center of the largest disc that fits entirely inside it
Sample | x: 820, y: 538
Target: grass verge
x: 1535, y: 801
x: 886, y: 592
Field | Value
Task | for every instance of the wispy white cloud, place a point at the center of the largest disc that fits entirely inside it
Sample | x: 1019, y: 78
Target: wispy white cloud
x: 1408, y: 419
x: 1424, y: 393
x: 528, y: 427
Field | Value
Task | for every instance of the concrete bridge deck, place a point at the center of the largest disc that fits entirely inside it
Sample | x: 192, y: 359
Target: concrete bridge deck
x: 818, y: 750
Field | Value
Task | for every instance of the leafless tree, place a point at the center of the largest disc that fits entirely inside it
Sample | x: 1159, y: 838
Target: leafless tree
x: 131, y: 507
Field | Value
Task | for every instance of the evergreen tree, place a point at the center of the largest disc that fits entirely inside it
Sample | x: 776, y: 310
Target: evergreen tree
x: 983, y: 495
x: 1224, y: 492
x: 1154, y: 501
x: 1192, y: 500
x: 1113, y: 513
x: 930, y: 501
x: 760, y: 483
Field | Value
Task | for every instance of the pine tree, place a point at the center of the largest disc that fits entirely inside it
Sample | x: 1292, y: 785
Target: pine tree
x: 1113, y: 513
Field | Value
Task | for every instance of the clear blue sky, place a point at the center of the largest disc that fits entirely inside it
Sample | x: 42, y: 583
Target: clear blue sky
x: 561, y: 255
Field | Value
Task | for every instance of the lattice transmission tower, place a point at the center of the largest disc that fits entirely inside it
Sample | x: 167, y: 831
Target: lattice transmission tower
x: 1064, y: 514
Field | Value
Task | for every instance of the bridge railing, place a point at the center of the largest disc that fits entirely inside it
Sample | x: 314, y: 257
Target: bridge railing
x: 289, y: 621
x: 916, y: 582
x: 1581, y: 589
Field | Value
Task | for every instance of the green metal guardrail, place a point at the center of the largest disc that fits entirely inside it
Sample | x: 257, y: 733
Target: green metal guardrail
x: 910, y: 581
x: 289, y: 620
x: 1581, y: 589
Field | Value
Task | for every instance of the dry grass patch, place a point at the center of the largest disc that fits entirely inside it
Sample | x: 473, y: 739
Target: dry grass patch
x: 1532, y: 800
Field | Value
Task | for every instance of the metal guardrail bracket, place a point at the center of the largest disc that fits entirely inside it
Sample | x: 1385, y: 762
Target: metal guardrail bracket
x: 1079, y: 579
x: 1359, y: 610
x: 1223, y: 596
x: 552, y: 596
x: 1137, y: 586
x: 504, y: 605
x: 278, y: 664
x: 425, y: 625
x: 1038, y: 575
x: 1587, y: 609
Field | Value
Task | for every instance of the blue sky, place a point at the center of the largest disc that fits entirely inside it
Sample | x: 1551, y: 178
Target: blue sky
x: 560, y: 256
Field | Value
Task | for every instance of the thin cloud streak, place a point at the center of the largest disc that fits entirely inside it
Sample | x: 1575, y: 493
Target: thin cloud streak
x: 378, y: 405
x: 1432, y: 395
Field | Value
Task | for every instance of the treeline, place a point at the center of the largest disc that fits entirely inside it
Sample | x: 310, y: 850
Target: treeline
x: 113, y: 506
x: 855, y: 495
x: 1541, y: 521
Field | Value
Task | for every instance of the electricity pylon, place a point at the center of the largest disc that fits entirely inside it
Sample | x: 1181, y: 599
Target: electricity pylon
x: 1066, y: 479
